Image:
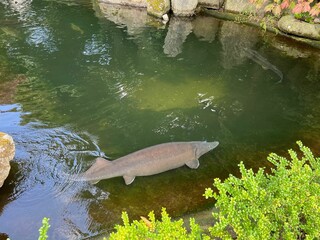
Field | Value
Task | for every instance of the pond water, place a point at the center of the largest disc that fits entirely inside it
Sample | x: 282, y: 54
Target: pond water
x: 80, y: 79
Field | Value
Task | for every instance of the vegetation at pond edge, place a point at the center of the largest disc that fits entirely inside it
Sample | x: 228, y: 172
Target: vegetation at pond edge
x: 282, y: 204
x: 44, y: 229
x: 306, y: 10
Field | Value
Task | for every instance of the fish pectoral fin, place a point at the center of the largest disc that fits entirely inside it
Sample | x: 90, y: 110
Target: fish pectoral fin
x: 193, y: 164
x: 128, y: 179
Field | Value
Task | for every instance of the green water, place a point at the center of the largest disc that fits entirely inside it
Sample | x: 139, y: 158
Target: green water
x: 77, y: 82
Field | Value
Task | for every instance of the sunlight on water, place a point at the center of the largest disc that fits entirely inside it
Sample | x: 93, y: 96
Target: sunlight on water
x: 80, y: 80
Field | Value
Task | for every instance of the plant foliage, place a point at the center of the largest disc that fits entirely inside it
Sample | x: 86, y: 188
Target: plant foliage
x: 151, y: 228
x: 281, y: 205
x: 305, y: 10
x: 44, y: 229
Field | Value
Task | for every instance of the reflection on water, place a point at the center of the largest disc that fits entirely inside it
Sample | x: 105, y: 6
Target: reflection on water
x: 79, y: 82
x: 40, y: 188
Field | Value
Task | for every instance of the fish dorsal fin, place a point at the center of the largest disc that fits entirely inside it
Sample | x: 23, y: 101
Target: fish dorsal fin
x: 98, y: 164
x: 128, y: 179
x: 193, y: 164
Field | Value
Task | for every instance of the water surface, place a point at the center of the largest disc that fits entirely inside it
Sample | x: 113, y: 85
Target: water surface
x: 78, y: 81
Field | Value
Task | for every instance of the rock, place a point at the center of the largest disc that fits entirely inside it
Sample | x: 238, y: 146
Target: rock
x: 158, y: 8
x: 165, y: 18
x: 184, y: 8
x: 213, y: 4
x: 290, y: 25
x: 178, y: 31
x: 244, y: 7
x: 7, y: 151
x: 132, y: 3
x: 289, y: 49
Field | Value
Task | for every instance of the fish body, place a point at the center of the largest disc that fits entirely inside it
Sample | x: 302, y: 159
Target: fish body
x: 263, y: 62
x: 148, y: 161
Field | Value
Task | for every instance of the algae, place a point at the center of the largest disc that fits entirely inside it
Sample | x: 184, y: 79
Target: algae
x: 163, y: 95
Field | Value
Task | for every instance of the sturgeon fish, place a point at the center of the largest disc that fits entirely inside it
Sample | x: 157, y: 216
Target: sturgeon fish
x: 148, y: 161
x: 263, y: 62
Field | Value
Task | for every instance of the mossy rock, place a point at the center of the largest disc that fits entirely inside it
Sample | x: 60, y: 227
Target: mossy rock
x: 158, y: 8
x: 290, y: 25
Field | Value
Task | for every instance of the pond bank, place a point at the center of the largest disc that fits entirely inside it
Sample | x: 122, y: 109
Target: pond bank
x: 270, y: 26
x: 237, y: 11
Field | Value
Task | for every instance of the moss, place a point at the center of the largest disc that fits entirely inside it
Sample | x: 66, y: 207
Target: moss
x: 164, y: 95
x: 158, y: 7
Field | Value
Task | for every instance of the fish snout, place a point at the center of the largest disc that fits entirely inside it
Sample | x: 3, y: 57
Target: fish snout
x: 213, y: 145
x: 204, y: 147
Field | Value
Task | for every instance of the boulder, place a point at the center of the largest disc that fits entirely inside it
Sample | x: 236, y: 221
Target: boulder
x: 184, y: 8
x: 7, y: 151
x: 290, y: 25
x: 158, y: 8
x: 244, y: 7
x: 213, y: 4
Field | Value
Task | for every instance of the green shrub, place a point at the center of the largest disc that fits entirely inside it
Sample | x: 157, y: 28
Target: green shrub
x: 44, y: 229
x: 280, y: 205
x: 155, y: 229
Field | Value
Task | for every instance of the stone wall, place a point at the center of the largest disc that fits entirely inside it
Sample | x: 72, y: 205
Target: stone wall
x: 158, y: 8
x: 186, y: 8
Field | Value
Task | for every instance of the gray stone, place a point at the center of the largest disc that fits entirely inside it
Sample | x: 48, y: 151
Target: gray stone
x: 290, y: 25
x: 244, y: 7
x: 7, y: 151
x: 158, y: 8
x: 133, y: 3
x: 178, y: 31
x: 213, y: 4
x: 184, y: 8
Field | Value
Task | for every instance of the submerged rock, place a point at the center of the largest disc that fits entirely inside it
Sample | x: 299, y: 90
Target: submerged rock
x: 290, y: 25
x: 7, y: 151
x: 184, y: 8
